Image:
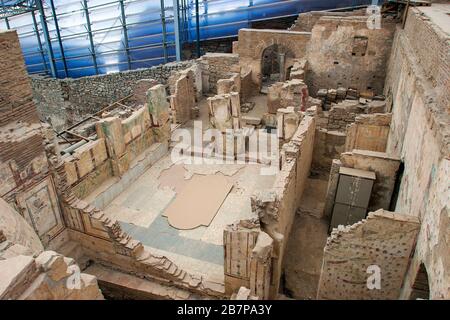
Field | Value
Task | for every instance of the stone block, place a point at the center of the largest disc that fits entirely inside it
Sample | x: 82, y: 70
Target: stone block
x: 157, y: 104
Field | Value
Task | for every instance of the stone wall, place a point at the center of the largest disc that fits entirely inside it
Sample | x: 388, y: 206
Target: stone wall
x: 28, y: 150
x: 328, y: 145
x: 357, y: 256
x: 66, y: 101
x: 253, y: 42
x: 88, y: 167
x: 369, y: 132
x: 49, y: 276
x: 247, y: 257
x: 417, y: 84
x: 291, y: 93
x: 16, y: 235
x: 15, y: 92
x: 306, y: 21
x: 119, y: 143
x: 343, y: 52
x: 277, y: 206
x: 385, y: 168
x: 216, y: 66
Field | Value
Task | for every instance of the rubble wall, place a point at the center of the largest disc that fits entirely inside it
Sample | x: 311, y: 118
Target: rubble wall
x: 66, y: 101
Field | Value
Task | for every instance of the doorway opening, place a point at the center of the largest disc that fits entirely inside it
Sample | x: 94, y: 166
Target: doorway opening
x: 421, y: 288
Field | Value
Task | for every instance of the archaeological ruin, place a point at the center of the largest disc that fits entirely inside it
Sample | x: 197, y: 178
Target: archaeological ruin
x: 310, y: 162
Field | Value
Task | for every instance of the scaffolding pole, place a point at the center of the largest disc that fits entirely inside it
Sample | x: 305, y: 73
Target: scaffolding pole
x: 38, y: 37
x: 58, y: 35
x: 164, y: 31
x: 176, y: 23
x: 197, y: 27
x: 48, y: 43
x: 125, y: 33
x: 91, y: 40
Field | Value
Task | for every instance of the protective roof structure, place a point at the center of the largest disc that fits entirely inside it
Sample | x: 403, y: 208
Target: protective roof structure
x: 74, y: 38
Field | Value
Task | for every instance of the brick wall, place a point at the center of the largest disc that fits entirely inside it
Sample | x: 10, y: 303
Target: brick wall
x: 15, y: 93
x: 27, y: 148
x: 21, y: 143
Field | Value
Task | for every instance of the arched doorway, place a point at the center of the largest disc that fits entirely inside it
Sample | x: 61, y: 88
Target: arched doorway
x: 274, y: 60
x: 420, y: 288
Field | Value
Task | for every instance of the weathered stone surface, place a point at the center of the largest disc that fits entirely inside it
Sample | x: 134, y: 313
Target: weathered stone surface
x: 225, y: 111
x: 157, y: 104
x: 380, y: 246
x: 418, y: 97
x: 343, y: 51
x: 16, y: 230
x: 292, y: 93
x: 140, y: 90
x: 183, y: 96
x: 47, y: 277
x: 287, y: 123
x: 66, y: 101
x: 15, y: 91
x: 369, y: 132
x: 253, y: 42
x: 216, y: 66
x: 239, y: 240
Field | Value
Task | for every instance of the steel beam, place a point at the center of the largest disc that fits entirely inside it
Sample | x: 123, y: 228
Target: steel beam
x: 197, y: 28
x: 91, y: 40
x: 125, y: 33
x: 7, y: 23
x: 48, y: 42
x: 38, y: 37
x: 58, y: 35
x: 176, y: 25
x: 164, y: 31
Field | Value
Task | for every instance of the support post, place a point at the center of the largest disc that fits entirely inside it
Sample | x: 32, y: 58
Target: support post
x: 91, y: 39
x: 58, y: 35
x: 7, y: 23
x: 176, y: 24
x: 197, y: 27
x: 48, y: 43
x: 125, y: 32
x: 38, y: 37
x: 164, y: 30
